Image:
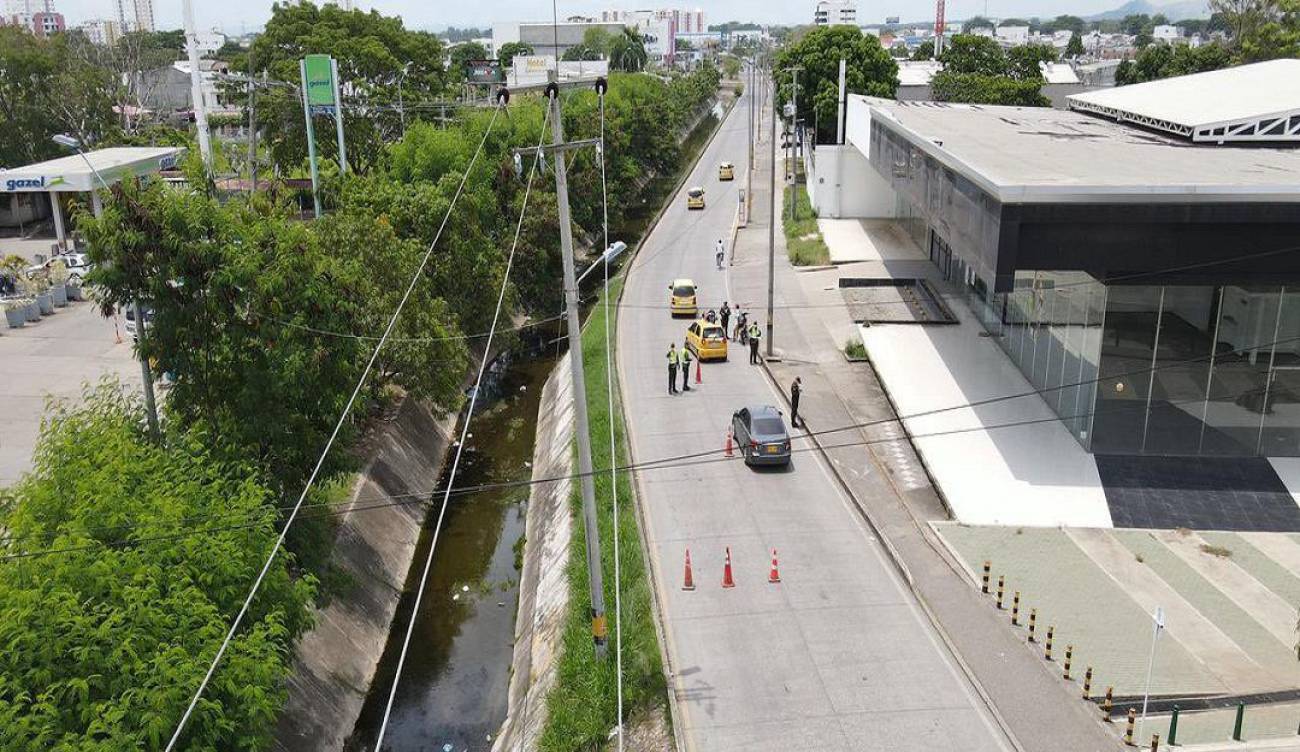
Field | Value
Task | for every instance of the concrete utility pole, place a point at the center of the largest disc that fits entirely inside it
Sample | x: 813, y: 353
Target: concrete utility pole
x: 794, y: 149
x: 196, y: 85
x: 586, y: 475
x: 252, y: 125
x: 771, y: 232
x: 839, y: 111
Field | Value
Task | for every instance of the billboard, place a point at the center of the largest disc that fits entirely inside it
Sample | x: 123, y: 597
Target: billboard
x: 484, y: 72
x: 319, y: 80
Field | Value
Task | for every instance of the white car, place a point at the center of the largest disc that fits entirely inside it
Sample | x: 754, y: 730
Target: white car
x: 77, y: 264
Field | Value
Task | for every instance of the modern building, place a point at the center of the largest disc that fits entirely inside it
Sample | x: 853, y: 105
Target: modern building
x: 836, y: 13
x: 45, y: 25
x: 37, y: 16
x: 135, y: 15
x: 1137, y: 256
x: 1167, y: 33
x: 1012, y: 36
x: 546, y: 38
x: 102, y: 32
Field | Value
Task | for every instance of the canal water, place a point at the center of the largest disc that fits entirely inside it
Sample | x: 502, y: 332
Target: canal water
x: 453, y: 693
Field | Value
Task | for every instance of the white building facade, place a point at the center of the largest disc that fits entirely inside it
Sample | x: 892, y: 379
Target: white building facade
x: 135, y: 15
x: 836, y: 13
x: 103, y: 32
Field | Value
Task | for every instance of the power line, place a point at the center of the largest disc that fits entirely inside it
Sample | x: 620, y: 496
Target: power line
x: 347, y: 409
x: 464, y: 431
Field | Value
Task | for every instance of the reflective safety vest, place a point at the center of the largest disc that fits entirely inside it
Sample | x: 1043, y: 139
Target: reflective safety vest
x: 672, y: 357
x: 685, y: 356
x: 755, y: 332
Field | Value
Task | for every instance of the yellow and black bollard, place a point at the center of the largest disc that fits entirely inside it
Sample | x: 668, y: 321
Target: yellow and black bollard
x: 984, y: 581
x: 1033, y: 622
x: 1128, y: 729
x: 1048, y: 645
x: 1087, y: 683
x: 1002, y: 579
x: 1069, y: 655
x: 1015, y: 609
x: 1108, y: 704
x: 1155, y: 743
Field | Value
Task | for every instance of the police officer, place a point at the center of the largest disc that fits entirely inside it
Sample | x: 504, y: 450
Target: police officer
x: 755, y: 334
x: 724, y: 314
x: 685, y: 357
x: 672, y: 368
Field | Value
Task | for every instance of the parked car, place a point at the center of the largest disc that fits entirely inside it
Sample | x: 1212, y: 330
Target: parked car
x: 681, y: 298
x: 77, y: 264
x: 707, y: 340
x: 695, y: 198
x: 129, y: 315
x: 760, y: 432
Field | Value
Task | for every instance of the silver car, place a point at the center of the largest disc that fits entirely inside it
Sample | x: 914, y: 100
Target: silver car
x: 760, y: 432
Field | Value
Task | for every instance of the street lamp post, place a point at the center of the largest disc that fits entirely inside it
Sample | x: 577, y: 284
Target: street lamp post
x: 1157, y: 626
x: 401, y: 107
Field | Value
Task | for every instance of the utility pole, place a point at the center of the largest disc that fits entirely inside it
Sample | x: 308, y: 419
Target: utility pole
x: 587, y: 480
x: 771, y: 230
x: 196, y: 85
x: 252, y: 125
x: 794, y: 150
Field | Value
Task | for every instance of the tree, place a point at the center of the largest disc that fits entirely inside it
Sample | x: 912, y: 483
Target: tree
x: 1075, y: 46
x: 870, y: 70
x: 510, y: 50
x: 1261, y: 29
x: 1162, y: 61
x: 159, y: 542
x: 461, y: 55
x: 978, y: 22
x: 598, y: 40
x: 627, y: 51
x: 1136, y: 23
x: 924, y: 50
x: 1023, y: 61
x: 1066, y: 23
x: 968, y: 53
x: 976, y: 70
x: 982, y: 89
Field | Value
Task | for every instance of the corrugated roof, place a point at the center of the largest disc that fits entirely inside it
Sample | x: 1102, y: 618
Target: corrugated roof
x: 1257, y: 102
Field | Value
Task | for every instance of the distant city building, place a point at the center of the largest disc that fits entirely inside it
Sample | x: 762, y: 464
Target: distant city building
x: 45, y: 25
x: 209, y: 42
x: 103, y: 32
x: 1166, y: 33
x: 1013, y: 36
x: 135, y: 15
x: 37, y: 16
x: 836, y: 13
x: 548, y: 39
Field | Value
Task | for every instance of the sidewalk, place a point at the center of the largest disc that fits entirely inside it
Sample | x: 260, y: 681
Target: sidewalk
x: 887, y: 482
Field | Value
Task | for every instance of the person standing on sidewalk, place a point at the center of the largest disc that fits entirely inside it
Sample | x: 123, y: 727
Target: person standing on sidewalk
x: 672, y: 368
x: 724, y: 315
x: 755, y: 334
x: 685, y: 357
x: 796, y: 389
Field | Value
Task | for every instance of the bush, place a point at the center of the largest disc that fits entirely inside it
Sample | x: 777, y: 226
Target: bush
x: 803, y: 240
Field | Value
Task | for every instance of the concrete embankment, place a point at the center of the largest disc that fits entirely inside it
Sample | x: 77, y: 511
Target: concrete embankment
x: 543, y: 587
x: 336, y: 660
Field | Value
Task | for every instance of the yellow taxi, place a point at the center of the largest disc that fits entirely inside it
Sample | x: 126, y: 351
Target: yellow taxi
x: 681, y: 298
x: 695, y: 198
x: 707, y: 340
x: 726, y: 171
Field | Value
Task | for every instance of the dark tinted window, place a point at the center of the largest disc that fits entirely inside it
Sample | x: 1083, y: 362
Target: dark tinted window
x: 767, y: 425
x: 683, y: 291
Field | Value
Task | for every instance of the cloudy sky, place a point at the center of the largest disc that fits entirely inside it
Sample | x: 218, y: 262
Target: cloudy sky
x: 234, y: 16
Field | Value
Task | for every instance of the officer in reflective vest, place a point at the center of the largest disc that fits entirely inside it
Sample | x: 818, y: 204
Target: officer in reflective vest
x: 685, y: 357
x: 672, y: 368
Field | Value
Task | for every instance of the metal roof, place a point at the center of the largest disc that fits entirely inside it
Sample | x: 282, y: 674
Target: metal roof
x: 1038, y: 154
x: 77, y: 173
x: 1257, y: 102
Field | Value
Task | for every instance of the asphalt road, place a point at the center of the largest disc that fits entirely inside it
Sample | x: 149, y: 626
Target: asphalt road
x: 837, y: 656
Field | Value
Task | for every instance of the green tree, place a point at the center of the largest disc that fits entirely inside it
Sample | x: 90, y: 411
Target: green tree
x: 978, y: 88
x: 976, y: 70
x: 598, y: 40
x: 1262, y: 29
x: 1023, y: 61
x: 510, y: 50
x: 1075, y: 46
x: 978, y: 22
x: 160, y: 540
x: 1125, y: 73
x: 968, y: 53
x: 1066, y: 23
x: 1162, y: 61
x: 924, y: 50
x: 627, y: 51
x: 371, y: 50
x: 461, y: 55
x: 1136, y: 23
x: 870, y: 70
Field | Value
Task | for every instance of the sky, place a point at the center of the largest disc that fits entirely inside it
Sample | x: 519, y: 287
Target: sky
x: 236, y: 16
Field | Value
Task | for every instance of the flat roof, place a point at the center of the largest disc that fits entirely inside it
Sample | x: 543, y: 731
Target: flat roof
x: 1040, y: 155
x: 72, y: 173
x: 1257, y: 102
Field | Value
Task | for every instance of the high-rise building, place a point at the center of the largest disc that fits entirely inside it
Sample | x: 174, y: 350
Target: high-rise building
x: 45, y: 25
x: 135, y: 15
x: 23, y: 13
x: 103, y: 32
x: 836, y: 13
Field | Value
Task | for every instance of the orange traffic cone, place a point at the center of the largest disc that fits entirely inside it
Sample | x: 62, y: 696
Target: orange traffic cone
x: 774, y: 576
x: 727, y: 582
x: 729, y: 451
x: 689, y: 582
x: 699, y: 375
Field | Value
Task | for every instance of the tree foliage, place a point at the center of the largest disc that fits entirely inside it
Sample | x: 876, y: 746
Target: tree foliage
x: 870, y: 70
x: 1162, y: 61
x: 106, y: 642
x: 627, y: 51
x: 461, y: 55
x: 977, y: 70
x: 510, y: 50
x: 1074, y: 48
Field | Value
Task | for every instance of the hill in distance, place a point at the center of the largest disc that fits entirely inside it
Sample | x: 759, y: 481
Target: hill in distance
x: 1179, y: 10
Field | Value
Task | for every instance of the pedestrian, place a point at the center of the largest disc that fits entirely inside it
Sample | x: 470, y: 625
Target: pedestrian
x: 672, y: 368
x: 685, y: 357
x: 742, y: 327
x: 725, y: 315
x: 796, y: 389
x: 721, y: 255
x: 754, y: 335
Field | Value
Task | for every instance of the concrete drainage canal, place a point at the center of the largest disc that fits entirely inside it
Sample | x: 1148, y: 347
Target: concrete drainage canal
x: 454, y: 685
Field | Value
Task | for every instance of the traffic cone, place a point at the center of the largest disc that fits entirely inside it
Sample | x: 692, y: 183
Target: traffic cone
x: 729, y: 451
x: 774, y: 575
x: 727, y: 582
x: 699, y: 374
x: 689, y: 582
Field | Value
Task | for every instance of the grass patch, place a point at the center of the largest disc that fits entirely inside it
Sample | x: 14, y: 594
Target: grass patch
x: 582, y: 707
x: 855, y: 349
x: 803, y: 241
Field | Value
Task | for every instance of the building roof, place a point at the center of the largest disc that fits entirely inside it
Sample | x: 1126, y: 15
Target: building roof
x: 1036, y: 155
x: 917, y: 72
x: 72, y: 173
x: 1058, y: 73
x: 1257, y: 102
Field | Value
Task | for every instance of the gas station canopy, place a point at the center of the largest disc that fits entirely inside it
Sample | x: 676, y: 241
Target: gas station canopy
x: 74, y: 173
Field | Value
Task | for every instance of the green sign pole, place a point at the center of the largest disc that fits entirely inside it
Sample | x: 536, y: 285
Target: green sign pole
x: 338, y: 115
x: 311, y: 135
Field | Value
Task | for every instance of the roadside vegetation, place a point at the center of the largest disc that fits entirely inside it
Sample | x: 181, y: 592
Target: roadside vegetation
x: 263, y: 323
x: 803, y: 241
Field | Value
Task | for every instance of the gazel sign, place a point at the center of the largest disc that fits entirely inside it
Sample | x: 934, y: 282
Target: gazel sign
x: 318, y: 74
x: 320, y: 87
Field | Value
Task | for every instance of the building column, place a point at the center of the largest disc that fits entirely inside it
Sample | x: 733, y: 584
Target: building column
x: 96, y: 204
x: 59, y: 232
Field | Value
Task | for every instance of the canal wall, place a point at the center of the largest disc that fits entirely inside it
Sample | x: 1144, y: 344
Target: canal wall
x: 543, y: 585
x: 335, y: 661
